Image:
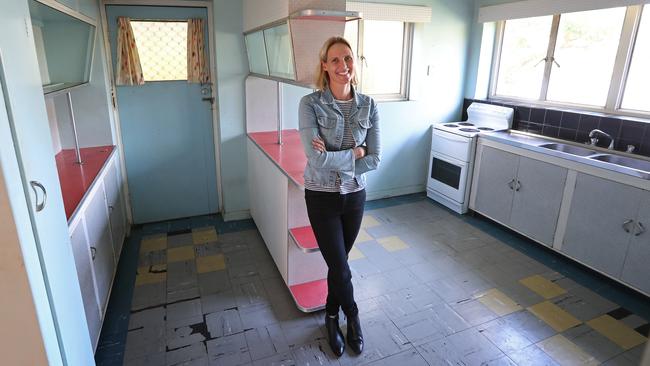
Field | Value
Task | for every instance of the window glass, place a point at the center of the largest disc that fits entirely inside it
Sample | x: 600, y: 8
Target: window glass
x: 278, y: 51
x: 383, y: 47
x: 521, y: 69
x: 585, y: 50
x: 162, y: 47
x: 637, y: 88
x: 257, y: 53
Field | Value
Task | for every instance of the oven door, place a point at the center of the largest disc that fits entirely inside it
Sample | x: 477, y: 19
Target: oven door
x: 447, y: 176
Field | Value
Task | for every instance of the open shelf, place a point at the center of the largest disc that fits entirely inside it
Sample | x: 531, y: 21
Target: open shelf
x: 304, y: 238
x: 310, y: 296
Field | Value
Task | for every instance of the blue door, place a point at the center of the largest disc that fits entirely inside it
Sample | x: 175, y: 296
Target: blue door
x: 167, y: 132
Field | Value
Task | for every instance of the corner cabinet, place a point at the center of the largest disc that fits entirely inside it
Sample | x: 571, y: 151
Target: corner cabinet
x: 97, y: 231
x: 596, y: 217
x: 523, y: 193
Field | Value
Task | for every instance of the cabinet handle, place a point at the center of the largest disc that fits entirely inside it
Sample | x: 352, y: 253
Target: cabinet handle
x: 93, y: 252
x: 511, y: 184
x: 518, y: 186
x: 626, y: 225
x: 110, y: 208
x: 35, y: 184
x: 641, y: 229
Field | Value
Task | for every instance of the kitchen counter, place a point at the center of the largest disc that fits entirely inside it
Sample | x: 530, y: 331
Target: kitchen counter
x: 77, y: 179
x: 289, y: 157
x: 536, y: 143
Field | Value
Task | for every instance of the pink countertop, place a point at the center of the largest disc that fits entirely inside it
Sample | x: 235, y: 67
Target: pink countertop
x: 76, y: 179
x: 289, y: 157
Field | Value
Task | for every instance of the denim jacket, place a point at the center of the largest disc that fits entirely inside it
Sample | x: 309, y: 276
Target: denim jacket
x: 319, y: 115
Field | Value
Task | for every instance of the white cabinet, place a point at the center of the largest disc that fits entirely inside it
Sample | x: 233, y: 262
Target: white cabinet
x: 84, y: 263
x: 635, y: 268
x: 601, y: 219
x: 523, y: 193
x: 97, y: 232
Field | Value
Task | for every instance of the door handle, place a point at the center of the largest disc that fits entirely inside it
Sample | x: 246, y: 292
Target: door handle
x: 93, y: 252
x: 34, y: 184
x: 208, y: 99
x: 626, y: 225
x: 641, y: 229
x: 511, y: 184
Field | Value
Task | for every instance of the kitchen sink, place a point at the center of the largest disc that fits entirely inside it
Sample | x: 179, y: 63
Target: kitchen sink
x: 637, y: 164
x: 569, y: 149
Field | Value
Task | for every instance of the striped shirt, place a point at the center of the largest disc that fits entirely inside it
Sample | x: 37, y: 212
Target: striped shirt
x: 348, y: 143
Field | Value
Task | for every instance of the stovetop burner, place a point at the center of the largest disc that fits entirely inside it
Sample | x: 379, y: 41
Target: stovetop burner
x: 466, y: 124
x: 486, y: 128
x: 450, y: 125
x: 467, y: 129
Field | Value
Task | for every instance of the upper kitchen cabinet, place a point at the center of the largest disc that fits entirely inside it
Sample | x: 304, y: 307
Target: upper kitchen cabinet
x: 64, y: 46
x: 278, y: 51
x: 257, y: 61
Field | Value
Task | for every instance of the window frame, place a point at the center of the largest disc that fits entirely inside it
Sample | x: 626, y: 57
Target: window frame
x: 407, y: 54
x: 620, y: 70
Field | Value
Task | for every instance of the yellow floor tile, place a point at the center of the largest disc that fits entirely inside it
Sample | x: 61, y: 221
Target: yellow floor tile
x: 363, y: 236
x: 368, y: 221
x: 554, y: 316
x: 204, y: 235
x: 210, y: 263
x: 180, y: 254
x: 355, y: 254
x: 617, y: 332
x: 565, y: 352
x: 498, y: 302
x: 145, y: 278
x: 152, y: 244
x: 158, y: 268
x: 393, y: 243
x: 542, y: 286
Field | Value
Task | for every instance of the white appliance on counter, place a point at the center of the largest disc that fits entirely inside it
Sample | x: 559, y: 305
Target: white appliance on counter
x: 453, y: 146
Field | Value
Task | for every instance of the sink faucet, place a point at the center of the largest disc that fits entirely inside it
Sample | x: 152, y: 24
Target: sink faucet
x: 595, y: 136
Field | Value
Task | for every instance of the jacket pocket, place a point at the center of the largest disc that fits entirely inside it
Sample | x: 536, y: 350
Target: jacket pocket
x: 365, y: 123
x: 326, y: 122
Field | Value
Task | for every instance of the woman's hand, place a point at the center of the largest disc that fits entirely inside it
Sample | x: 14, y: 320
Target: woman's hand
x: 359, y: 152
x: 318, y: 144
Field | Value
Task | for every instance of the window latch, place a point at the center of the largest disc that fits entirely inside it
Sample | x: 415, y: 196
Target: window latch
x: 545, y: 59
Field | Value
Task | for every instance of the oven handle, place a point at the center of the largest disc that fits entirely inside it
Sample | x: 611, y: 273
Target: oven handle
x: 450, y: 136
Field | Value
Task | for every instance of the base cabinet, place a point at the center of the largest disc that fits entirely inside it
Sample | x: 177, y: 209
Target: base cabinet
x: 523, y: 193
x: 600, y: 223
x: 97, y: 231
x: 637, y: 261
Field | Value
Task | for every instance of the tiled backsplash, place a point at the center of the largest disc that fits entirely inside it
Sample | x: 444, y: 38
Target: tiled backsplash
x: 575, y: 126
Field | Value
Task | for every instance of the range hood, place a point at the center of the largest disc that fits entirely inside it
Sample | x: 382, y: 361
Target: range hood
x: 288, y: 48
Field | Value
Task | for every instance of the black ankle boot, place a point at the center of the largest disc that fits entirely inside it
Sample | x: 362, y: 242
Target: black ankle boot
x: 355, y: 336
x: 334, y: 335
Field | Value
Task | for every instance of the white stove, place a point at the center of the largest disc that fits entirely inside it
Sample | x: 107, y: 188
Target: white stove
x: 452, y: 153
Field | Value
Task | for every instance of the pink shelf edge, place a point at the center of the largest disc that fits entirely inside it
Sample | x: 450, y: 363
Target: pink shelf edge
x: 289, y: 156
x: 310, y: 296
x: 304, y: 238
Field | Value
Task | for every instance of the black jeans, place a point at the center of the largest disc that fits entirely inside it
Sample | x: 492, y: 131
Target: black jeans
x: 336, y: 220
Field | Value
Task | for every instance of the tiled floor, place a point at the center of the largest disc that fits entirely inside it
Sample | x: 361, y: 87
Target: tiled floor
x: 433, y: 288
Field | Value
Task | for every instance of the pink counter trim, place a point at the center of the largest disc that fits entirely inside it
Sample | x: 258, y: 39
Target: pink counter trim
x: 305, y: 238
x: 76, y: 179
x: 289, y: 156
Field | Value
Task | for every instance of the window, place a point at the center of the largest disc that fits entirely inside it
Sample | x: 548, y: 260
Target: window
x: 578, y: 58
x: 383, y: 49
x: 637, y: 87
x: 162, y: 47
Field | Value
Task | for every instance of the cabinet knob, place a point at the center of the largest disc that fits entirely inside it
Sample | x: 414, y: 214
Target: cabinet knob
x: 626, y: 225
x: 640, y: 229
x: 511, y: 184
x: 110, y: 208
x: 517, y: 186
x: 93, y: 252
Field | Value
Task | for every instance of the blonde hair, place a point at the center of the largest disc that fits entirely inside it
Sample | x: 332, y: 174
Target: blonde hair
x: 322, y: 78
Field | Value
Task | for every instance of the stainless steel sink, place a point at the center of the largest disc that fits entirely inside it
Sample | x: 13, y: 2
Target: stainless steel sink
x: 637, y: 164
x: 569, y: 149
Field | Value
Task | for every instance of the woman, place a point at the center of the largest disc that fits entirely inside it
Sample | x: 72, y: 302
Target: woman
x: 339, y: 129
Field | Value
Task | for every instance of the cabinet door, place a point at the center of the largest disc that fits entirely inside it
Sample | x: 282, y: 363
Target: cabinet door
x: 496, y: 176
x: 538, y: 197
x: 635, y: 270
x: 99, y: 237
x: 115, y: 206
x: 595, y: 233
x: 83, y: 262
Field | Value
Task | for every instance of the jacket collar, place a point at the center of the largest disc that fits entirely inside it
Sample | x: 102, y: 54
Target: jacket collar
x: 327, y: 97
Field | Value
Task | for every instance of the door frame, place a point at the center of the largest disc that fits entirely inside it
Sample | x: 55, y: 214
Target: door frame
x: 213, y: 84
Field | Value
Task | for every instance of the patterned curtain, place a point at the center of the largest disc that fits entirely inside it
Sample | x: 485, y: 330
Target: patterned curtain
x: 129, y: 71
x: 197, y: 69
